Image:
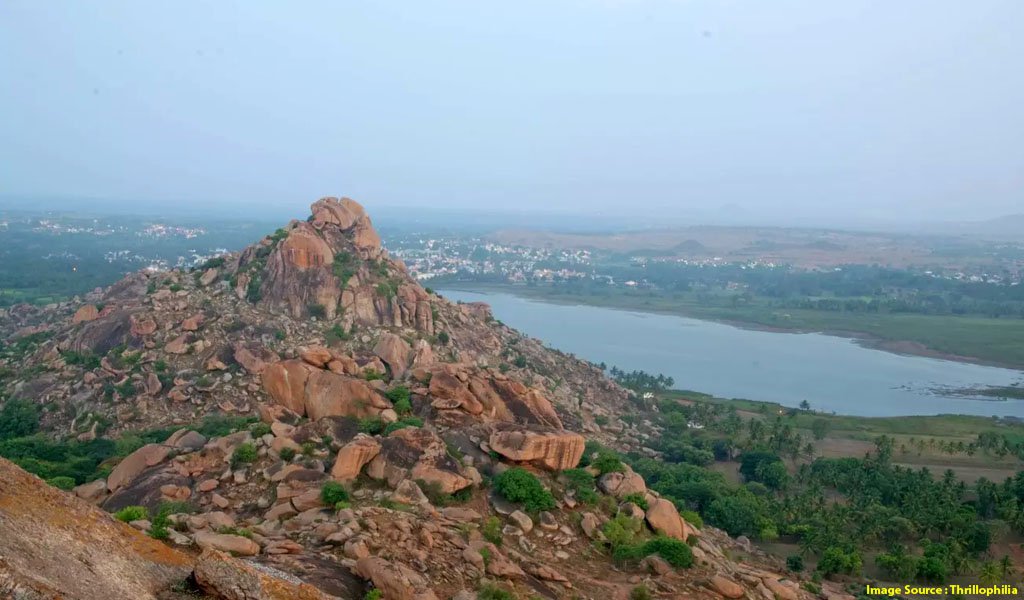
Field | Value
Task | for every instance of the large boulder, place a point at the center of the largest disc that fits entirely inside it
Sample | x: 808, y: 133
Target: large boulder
x: 394, y: 351
x: 331, y: 395
x: 317, y: 393
x: 135, y: 463
x: 549, y: 449
x: 228, y: 578
x: 622, y: 484
x: 87, y: 312
x: 353, y: 456
x: 397, y: 581
x: 56, y: 545
x: 663, y: 518
x: 490, y: 397
x: 226, y: 542
x: 285, y: 381
x: 418, y: 454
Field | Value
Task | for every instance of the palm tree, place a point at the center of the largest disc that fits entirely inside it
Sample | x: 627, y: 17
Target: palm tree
x: 990, y: 573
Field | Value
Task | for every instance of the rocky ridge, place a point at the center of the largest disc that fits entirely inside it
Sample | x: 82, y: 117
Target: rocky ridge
x: 358, y: 376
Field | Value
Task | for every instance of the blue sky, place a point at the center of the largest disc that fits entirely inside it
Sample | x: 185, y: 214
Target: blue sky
x: 802, y: 111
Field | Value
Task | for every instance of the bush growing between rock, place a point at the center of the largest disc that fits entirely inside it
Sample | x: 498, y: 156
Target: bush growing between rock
x: 492, y: 531
x: 332, y: 493
x: 244, y: 454
x: 581, y: 483
x: 638, y: 499
x: 675, y: 552
x: 519, y: 485
x: 400, y: 398
x: 402, y: 424
x: 131, y: 513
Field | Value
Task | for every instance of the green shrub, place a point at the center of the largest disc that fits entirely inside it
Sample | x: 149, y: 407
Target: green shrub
x: 259, y: 430
x: 372, y: 425
x: 519, y: 485
x: 492, y: 531
x: 403, y: 423
x: 581, y: 482
x: 444, y: 338
x: 374, y: 594
x: 332, y: 493
x: 636, y: 498
x: 400, y: 397
x: 62, y: 482
x: 795, y: 562
x: 372, y: 375
x: 244, y: 454
x: 692, y: 518
x: 621, y: 530
x: 838, y: 560
x: 640, y: 592
x: 675, y: 552
x: 18, y: 418
x: 131, y: 513
x: 608, y: 462
x: 317, y: 310
x: 287, y: 454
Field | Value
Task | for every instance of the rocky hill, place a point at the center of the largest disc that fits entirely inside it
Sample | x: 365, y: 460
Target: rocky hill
x: 306, y: 404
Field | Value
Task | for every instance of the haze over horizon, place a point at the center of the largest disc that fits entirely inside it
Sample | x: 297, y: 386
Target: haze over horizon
x: 797, y: 112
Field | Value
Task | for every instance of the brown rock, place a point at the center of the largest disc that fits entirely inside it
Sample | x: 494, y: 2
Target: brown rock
x: 94, y: 491
x: 142, y: 326
x: 318, y: 356
x: 397, y: 581
x: 225, y: 542
x: 394, y: 351
x: 228, y: 578
x: 781, y: 590
x: 622, y: 484
x: 663, y: 517
x: 726, y: 588
x: 254, y: 358
x: 552, y: 450
x: 208, y: 276
x: 353, y: 457
x: 332, y: 395
x: 193, y: 323
x: 153, y: 385
x: 56, y: 545
x: 285, y: 381
x: 87, y: 312
x: 135, y: 463
x: 207, y: 485
x: 178, y: 345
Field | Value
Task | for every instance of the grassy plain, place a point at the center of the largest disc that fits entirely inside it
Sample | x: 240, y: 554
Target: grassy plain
x: 854, y: 437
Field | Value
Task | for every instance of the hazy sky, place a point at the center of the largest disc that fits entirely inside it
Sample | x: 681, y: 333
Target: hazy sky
x: 708, y: 109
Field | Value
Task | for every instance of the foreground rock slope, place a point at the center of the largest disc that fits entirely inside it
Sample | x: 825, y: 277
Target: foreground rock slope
x: 307, y: 407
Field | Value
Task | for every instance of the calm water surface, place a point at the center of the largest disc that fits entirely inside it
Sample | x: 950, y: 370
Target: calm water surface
x: 832, y: 373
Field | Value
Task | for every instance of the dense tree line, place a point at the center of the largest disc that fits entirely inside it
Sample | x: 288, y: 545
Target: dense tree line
x: 923, y: 527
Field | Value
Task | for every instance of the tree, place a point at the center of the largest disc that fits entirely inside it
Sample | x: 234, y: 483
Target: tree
x: 820, y: 428
x: 805, y: 405
x: 18, y: 418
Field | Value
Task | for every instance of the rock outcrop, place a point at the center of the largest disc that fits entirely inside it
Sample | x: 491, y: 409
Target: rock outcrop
x: 552, y: 450
x: 55, y: 545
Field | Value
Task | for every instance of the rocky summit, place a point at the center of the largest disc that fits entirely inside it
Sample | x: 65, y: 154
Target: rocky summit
x: 303, y: 420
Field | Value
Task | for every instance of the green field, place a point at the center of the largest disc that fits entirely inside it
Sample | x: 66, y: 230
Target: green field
x: 984, y: 339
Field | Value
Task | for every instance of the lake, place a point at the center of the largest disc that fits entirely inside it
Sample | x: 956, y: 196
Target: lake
x: 834, y: 374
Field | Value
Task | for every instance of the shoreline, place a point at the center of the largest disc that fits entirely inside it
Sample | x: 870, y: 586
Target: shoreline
x: 861, y: 338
